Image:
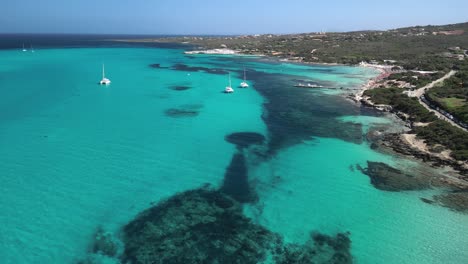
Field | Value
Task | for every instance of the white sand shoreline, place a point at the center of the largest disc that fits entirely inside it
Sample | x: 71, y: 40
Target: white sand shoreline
x: 214, y: 52
x: 385, y: 71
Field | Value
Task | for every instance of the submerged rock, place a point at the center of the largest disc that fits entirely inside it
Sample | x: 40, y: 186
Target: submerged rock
x: 216, y: 71
x: 428, y: 201
x: 106, y: 244
x: 174, y: 112
x: 180, y: 87
x: 184, y: 67
x: 99, y: 259
x: 200, y: 226
x: 374, y: 135
x: 236, y: 180
x: 190, y: 110
x: 105, y: 249
x: 206, y: 226
x: 387, y: 178
x: 457, y: 201
x: 318, y: 249
x: 294, y: 115
x: 245, y: 139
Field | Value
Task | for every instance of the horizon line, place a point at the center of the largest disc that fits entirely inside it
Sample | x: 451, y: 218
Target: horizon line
x: 215, y: 35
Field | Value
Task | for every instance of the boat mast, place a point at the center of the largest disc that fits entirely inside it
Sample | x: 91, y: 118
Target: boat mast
x: 244, y: 74
x: 229, y: 79
x: 103, y: 75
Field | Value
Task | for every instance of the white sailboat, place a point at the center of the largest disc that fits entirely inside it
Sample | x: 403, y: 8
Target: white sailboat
x: 32, y: 50
x: 24, y: 49
x: 244, y: 84
x: 104, y: 80
x: 228, y: 88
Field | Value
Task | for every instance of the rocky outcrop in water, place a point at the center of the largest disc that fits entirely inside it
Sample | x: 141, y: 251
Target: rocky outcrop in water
x: 395, y: 143
x: 387, y: 178
x: 206, y: 226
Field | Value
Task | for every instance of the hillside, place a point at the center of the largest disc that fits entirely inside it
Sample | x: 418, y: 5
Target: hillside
x: 420, y: 47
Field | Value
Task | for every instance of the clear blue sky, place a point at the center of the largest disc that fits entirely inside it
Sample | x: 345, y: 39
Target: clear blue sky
x: 222, y: 17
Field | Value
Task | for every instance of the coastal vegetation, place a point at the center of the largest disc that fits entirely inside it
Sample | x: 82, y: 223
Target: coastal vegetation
x: 414, y: 80
x: 402, y: 103
x: 440, y: 132
x: 428, y: 48
x: 450, y: 96
x: 436, y: 132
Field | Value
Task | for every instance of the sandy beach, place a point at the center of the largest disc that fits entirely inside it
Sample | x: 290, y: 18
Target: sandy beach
x: 214, y: 52
x: 385, y: 71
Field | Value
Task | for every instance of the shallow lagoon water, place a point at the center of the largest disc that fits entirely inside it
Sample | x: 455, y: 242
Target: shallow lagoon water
x: 76, y: 155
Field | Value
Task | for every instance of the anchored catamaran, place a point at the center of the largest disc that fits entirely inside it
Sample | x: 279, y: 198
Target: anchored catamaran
x: 244, y: 84
x: 104, y: 80
x: 229, y: 89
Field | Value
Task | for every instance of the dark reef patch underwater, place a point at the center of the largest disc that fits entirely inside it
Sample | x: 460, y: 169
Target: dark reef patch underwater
x: 186, y: 68
x: 190, y: 110
x: 245, y: 139
x: 157, y: 66
x: 206, y: 226
x: 180, y: 88
x: 455, y: 200
x: 293, y: 115
x: 387, y: 178
x: 236, y: 178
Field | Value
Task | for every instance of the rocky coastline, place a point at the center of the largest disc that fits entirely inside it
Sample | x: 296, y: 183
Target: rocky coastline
x: 398, y: 143
x: 388, y: 141
x: 443, y: 173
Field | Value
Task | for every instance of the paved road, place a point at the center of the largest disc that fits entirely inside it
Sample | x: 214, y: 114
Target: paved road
x: 440, y: 115
x: 420, y: 92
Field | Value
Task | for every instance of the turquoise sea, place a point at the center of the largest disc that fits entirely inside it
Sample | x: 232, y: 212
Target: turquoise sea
x: 76, y: 156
